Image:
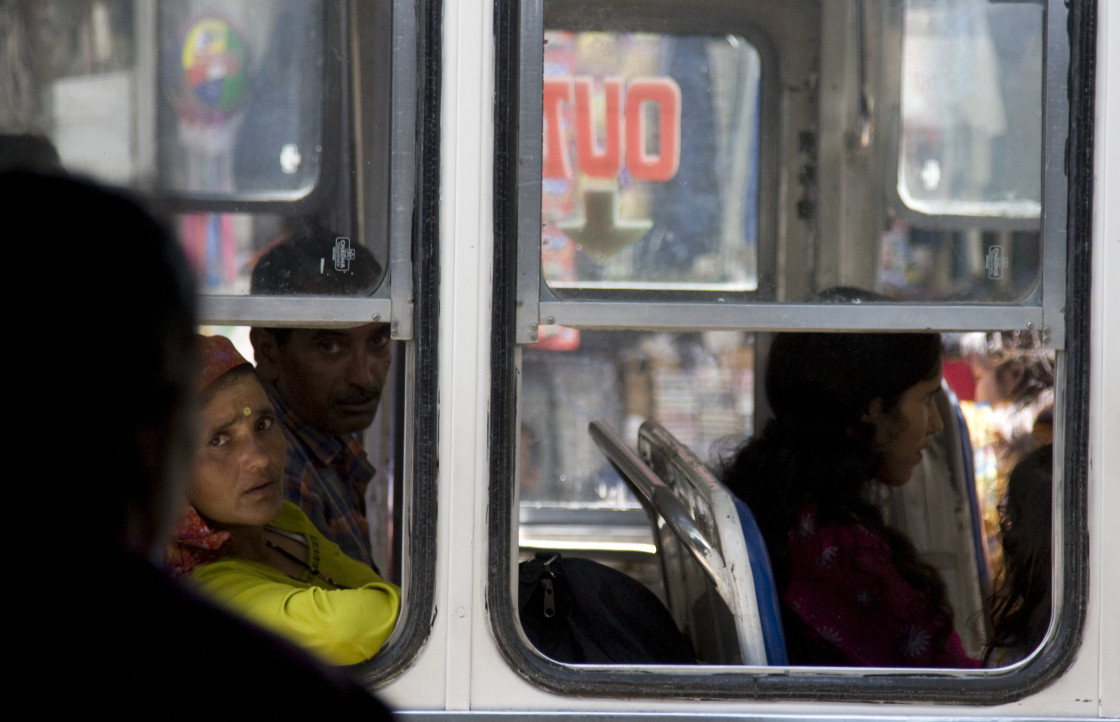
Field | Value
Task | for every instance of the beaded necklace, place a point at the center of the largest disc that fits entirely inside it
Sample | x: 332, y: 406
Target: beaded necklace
x: 312, y: 569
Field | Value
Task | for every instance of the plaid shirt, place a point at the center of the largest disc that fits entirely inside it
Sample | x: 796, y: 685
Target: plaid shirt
x: 326, y: 476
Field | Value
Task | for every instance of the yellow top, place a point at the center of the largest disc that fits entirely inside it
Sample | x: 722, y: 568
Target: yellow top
x: 341, y: 626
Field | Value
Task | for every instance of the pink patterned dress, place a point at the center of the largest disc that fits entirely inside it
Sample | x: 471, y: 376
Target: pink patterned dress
x: 847, y: 605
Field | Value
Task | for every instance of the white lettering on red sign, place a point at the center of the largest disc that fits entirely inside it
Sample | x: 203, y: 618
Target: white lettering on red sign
x: 624, y: 128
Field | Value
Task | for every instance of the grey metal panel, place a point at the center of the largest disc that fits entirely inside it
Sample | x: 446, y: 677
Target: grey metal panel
x: 1055, y: 191
x: 789, y: 317
x: 295, y: 311
x: 146, y: 86
x: 529, y: 160
x: 588, y: 716
x: 402, y: 168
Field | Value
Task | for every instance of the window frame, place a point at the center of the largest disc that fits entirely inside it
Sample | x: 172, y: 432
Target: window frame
x: 1068, y: 133
x: 391, y: 302
x: 539, y: 303
x: 407, y: 298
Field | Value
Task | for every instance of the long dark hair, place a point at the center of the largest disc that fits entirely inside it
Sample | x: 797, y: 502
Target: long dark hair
x: 1021, y: 602
x: 818, y: 449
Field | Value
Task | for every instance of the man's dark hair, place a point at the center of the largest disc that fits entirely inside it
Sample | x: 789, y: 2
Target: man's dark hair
x: 312, y: 260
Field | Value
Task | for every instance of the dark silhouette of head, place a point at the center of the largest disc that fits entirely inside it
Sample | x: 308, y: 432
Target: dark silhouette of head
x: 823, y: 383
x: 818, y: 448
x: 29, y: 152
x: 107, y: 363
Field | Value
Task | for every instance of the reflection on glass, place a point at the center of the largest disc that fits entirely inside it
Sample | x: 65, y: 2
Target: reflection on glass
x: 220, y: 248
x: 68, y: 75
x: 650, y: 177
x: 240, y: 96
x: 971, y: 141
x: 216, y: 97
x: 975, y: 264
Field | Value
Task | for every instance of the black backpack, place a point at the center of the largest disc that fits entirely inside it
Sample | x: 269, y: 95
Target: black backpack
x: 581, y: 612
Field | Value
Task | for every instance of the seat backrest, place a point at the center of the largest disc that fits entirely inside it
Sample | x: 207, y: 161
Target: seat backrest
x: 765, y: 590
x: 691, y: 479
x: 709, y: 580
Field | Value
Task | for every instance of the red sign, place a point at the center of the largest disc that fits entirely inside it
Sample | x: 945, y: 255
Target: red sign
x: 625, y: 132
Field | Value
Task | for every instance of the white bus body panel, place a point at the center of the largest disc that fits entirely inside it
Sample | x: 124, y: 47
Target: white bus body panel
x: 462, y: 674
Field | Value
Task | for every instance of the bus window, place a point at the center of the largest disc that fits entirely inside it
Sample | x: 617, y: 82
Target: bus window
x: 381, y: 443
x: 231, y: 112
x: 221, y: 99
x: 249, y: 126
x: 968, y: 203
x: 650, y: 176
x: 874, y: 200
x: 686, y: 199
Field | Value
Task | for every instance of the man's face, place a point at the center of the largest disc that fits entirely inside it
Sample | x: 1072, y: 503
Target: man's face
x: 330, y: 378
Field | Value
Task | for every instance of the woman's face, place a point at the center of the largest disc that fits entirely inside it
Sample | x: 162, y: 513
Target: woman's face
x: 901, y: 433
x: 995, y: 380
x: 240, y: 458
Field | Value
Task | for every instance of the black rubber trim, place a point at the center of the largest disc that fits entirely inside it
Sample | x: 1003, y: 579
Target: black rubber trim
x: 782, y: 684
x: 420, y: 518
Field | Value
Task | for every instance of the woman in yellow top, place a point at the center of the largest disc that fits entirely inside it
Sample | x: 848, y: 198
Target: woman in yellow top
x: 256, y: 554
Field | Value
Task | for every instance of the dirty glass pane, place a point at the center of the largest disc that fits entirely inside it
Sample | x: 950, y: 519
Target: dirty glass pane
x: 650, y: 177
x: 969, y: 177
x: 68, y: 87
x: 217, y: 98
x: 211, y: 98
x: 971, y: 141
x: 699, y: 386
x: 240, y: 96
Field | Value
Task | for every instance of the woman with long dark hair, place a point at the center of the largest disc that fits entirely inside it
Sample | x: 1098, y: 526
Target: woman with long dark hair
x: 849, y: 409
x: 1021, y: 602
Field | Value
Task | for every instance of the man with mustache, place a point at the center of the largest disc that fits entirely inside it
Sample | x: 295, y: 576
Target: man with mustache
x: 325, y: 383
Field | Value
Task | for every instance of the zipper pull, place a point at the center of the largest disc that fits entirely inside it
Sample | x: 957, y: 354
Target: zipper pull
x: 549, y: 598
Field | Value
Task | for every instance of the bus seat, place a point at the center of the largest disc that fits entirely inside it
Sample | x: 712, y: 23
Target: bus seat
x: 765, y: 589
x: 979, y: 536
x: 709, y: 582
x: 686, y: 474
